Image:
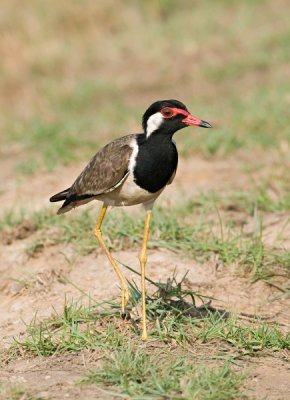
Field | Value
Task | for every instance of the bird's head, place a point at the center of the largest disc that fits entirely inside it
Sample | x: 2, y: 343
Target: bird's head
x: 169, y: 116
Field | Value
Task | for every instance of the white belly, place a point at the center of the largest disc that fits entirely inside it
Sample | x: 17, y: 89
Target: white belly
x: 128, y: 194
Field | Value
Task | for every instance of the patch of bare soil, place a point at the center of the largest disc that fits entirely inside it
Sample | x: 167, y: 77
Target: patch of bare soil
x: 22, y: 231
x: 269, y: 378
x: 53, y: 378
x: 57, y: 273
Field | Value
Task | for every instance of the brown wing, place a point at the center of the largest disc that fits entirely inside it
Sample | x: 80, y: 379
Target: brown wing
x: 105, y: 171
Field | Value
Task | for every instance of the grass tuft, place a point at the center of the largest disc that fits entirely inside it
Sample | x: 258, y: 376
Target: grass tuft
x: 172, y: 314
x: 149, y: 376
x: 245, y: 338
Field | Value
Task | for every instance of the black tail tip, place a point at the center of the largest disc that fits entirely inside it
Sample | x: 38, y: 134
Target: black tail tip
x: 59, y: 196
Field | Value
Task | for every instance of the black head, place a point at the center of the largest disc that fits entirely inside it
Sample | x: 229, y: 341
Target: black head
x: 169, y: 116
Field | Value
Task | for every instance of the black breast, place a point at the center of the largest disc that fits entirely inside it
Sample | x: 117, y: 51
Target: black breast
x: 156, y: 162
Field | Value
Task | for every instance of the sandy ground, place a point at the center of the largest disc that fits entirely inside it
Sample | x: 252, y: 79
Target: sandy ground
x: 42, y: 283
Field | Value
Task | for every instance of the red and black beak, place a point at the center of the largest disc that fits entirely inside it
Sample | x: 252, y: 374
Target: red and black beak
x: 191, y: 120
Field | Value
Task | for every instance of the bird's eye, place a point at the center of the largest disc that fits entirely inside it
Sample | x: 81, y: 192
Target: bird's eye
x: 167, y: 112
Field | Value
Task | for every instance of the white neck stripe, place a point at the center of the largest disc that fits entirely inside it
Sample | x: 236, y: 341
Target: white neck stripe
x: 132, y: 161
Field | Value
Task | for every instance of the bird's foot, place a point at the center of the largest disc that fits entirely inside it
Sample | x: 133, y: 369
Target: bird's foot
x: 125, y: 315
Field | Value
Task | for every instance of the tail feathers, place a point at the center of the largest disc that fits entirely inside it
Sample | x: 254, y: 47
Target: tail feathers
x: 70, y: 201
x: 60, y: 196
x: 67, y: 206
x: 74, y: 201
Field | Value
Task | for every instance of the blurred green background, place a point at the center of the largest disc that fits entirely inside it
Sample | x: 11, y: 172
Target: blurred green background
x: 75, y: 74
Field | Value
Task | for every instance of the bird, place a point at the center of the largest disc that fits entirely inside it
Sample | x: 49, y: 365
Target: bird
x: 130, y: 170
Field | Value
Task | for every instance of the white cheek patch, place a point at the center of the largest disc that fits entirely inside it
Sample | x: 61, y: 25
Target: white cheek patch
x: 153, y: 123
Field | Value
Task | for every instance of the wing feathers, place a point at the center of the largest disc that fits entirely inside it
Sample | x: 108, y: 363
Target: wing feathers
x: 106, y: 171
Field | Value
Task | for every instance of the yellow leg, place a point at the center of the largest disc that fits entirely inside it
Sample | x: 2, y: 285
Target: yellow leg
x: 143, y: 259
x: 98, y: 234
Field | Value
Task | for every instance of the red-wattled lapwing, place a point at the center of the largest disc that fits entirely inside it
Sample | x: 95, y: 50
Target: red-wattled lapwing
x: 133, y: 169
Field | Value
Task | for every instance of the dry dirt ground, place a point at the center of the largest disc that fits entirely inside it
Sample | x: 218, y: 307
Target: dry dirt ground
x: 42, y: 283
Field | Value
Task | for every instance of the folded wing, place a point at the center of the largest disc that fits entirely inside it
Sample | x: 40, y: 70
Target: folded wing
x: 106, y: 170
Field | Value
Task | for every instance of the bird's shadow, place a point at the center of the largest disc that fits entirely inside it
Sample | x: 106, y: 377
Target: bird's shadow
x: 170, y: 298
